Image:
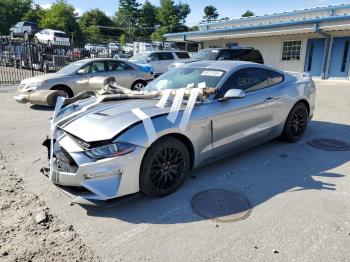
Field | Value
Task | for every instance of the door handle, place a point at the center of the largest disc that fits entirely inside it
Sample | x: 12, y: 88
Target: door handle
x: 272, y: 99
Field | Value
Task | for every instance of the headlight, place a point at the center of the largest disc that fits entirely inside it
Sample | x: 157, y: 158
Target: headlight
x: 33, y: 86
x: 113, y: 150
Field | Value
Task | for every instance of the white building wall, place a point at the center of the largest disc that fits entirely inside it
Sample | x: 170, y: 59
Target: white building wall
x: 271, y: 49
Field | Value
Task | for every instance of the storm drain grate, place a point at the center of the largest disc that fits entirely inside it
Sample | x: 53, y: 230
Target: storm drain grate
x: 329, y: 144
x: 221, y: 205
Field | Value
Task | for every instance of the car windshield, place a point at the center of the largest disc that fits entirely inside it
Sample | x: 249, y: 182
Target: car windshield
x: 139, y: 56
x: 71, y: 68
x: 206, y: 54
x: 187, y: 76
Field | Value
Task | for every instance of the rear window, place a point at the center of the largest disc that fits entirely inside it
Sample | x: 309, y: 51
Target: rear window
x: 182, y: 55
x: 61, y: 35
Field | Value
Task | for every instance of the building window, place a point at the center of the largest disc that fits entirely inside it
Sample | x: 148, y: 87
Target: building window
x: 291, y: 50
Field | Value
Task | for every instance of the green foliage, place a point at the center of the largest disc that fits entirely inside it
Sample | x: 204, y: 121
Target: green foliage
x: 195, y: 28
x: 210, y: 13
x: 11, y: 12
x: 35, y: 14
x: 128, y: 13
x: 92, y: 21
x: 62, y: 16
x: 122, y: 39
x: 248, y: 13
x: 183, y: 10
x: 158, y: 34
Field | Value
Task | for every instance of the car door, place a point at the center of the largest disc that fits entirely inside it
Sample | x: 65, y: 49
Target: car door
x: 249, y: 120
x: 123, y: 73
x: 94, y: 69
x: 155, y: 62
x: 166, y: 58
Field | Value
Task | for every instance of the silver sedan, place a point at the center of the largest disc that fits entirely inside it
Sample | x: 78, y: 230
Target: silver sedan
x: 74, y: 78
x: 116, y: 148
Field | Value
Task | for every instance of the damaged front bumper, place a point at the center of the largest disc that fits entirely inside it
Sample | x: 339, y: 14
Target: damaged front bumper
x: 89, y: 180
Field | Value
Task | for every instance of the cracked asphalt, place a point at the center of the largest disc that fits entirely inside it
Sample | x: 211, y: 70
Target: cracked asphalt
x: 300, y: 195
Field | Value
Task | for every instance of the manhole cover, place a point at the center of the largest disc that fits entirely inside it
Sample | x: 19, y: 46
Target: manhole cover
x: 330, y: 144
x: 221, y: 205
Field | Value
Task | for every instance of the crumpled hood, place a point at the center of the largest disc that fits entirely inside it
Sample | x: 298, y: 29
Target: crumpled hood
x: 105, y: 120
x: 37, y: 79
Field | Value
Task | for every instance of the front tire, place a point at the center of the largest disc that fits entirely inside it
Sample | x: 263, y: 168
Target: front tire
x: 138, y: 86
x: 164, y: 167
x: 296, y: 123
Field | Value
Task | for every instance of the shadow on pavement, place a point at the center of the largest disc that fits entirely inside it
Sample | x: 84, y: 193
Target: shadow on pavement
x: 42, y: 108
x: 259, y: 174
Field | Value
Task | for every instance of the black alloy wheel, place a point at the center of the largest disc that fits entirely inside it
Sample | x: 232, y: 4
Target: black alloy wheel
x: 296, y: 123
x: 164, y: 167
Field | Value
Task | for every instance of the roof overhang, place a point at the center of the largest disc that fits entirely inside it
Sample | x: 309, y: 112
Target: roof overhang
x: 286, y: 28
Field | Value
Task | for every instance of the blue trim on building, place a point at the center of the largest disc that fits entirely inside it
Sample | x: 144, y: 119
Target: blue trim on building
x: 244, y: 28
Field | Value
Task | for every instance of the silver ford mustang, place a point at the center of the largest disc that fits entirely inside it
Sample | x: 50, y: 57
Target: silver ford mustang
x: 116, y: 148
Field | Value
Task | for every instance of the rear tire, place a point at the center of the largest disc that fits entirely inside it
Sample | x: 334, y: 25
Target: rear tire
x: 164, y: 167
x: 296, y: 123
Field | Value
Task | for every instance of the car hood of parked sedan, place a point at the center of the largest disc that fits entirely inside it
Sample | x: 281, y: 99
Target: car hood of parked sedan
x: 42, y: 78
x: 106, y: 120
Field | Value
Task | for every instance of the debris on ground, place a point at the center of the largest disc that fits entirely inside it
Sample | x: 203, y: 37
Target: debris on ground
x: 28, y: 230
x: 275, y: 251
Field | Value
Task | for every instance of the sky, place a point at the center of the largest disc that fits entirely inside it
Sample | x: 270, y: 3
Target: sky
x: 226, y: 8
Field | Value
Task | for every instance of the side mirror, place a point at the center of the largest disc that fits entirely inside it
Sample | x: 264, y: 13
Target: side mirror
x: 149, y: 59
x: 233, y: 93
x: 81, y: 71
x: 221, y: 58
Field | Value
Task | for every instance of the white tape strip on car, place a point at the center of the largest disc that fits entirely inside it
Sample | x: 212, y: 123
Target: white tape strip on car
x: 147, y: 123
x: 189, y: 108
x: 174, y: 110
x: 164, y: 98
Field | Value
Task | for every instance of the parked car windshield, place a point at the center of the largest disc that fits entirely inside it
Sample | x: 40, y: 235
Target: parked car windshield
x: 71, y: 68
x: 206, y: 54
x: 187, y: 76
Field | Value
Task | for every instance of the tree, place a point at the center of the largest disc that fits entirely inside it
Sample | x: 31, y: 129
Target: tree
x: 148, y: 19
x: 195, y: 28
x: 168, y: 19
x: 92, y: 23
x: 248, y: 13
x: 122, y: 39
x: 34, y: 14
x: 11, y: 12
x: 183, y: 10
x: 128, y: 16
x: 210, y: 13
x: 62, y: 16
x: 171, y: 18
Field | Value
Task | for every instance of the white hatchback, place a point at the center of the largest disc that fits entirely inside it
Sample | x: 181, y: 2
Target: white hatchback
x: 52, y: 37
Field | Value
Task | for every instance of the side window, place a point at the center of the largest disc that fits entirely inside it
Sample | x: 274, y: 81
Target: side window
x: 154, y: 56
x: 251, y: 79
x: 166, y: 56
x: 182, y: 55
x: 117, y: 66
x: 95, y: 67
x: 224, y: 55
